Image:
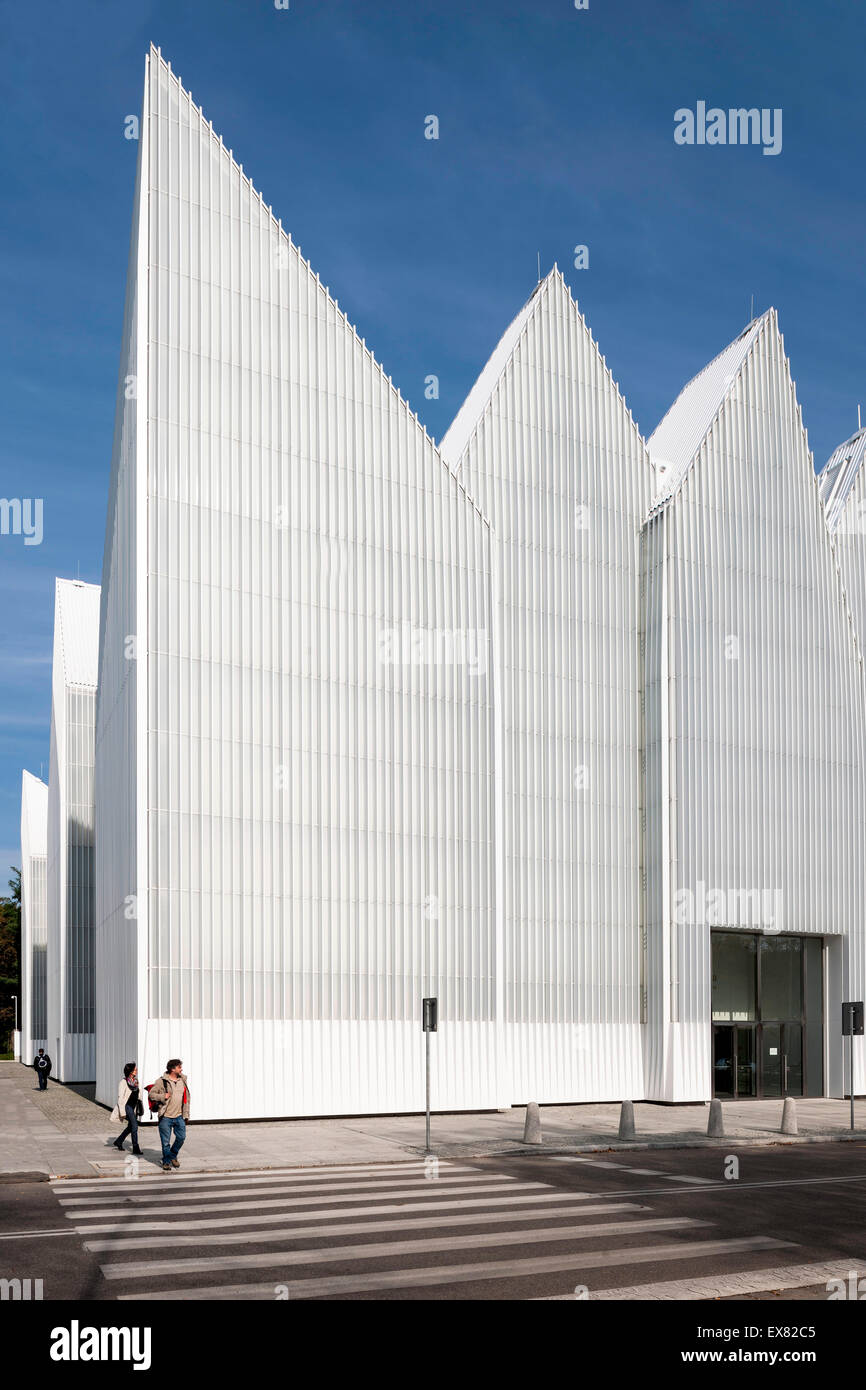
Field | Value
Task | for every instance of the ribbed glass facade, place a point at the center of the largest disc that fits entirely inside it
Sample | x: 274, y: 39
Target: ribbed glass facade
x: 312, y: 690
x: 71, y: 968
x: 517, y: 721
x: 754, y: 700
x: 80, y: 715
x: 548, y: 448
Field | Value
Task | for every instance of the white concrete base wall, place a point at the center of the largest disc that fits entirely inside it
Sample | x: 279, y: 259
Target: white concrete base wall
x: 75, y: 1060
x: 554, y: 1064
x: 248, y: 1070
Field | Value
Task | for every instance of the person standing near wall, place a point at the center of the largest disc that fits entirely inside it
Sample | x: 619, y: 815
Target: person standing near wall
x: 171, y: 1093
x: 129, y: 1105
x: 42, y: 1067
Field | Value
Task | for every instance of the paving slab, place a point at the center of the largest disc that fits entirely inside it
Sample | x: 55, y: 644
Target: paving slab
x: 63, y: 1132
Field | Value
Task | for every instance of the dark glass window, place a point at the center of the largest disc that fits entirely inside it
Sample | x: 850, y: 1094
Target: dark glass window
x: 734, y: 976
x: 781, y: 977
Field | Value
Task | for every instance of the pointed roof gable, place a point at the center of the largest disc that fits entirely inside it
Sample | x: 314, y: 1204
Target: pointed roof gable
x: 838, y: 476
x: 552, y: 287
x: 76, y: 625
x: 676, y: 440
x: 34, y: 814
x: 459, y: 431
x: 166, y: 94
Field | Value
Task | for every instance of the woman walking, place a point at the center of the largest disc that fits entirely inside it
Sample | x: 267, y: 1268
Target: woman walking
x: 128, y: 1104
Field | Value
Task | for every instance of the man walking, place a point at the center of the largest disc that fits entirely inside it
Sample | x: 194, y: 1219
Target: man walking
x: 172, y: 1094
x: 42, y: 1067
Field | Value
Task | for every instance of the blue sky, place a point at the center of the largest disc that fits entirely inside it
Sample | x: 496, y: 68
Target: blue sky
x: 556, y: 129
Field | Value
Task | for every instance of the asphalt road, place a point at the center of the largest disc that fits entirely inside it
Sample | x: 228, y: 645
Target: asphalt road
x: 526, y: 1227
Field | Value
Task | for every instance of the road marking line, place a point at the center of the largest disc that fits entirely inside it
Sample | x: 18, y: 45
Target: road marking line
x: 603, y: 1163
x: 391, y: 1249
x: 647, y: 1172
x: 522, y: 1193
x: 325, y: 1213
x: 331, y: 1191
x: 319, y: 1231
x: 728, y: 1285
x: 341, y: 1284
x: 383, y: 1170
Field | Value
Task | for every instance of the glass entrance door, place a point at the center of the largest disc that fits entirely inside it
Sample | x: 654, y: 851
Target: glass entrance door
x: 735, y: 1073
x: 724, y: 1077
x: 781, y: 1059
x: 747, y: 1068
x: 768, y: 1024
x: 771, y: 1059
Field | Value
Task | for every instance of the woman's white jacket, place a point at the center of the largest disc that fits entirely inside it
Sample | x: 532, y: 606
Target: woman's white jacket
x: 123, y: 1094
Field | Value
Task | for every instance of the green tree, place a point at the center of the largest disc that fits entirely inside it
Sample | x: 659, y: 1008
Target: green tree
x: 10, y: 955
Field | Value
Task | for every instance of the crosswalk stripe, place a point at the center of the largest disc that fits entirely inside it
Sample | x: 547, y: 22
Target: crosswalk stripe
x: 391, y: 1249
x: 85, y: 1213
x: 646, y: 1172
x: 127, y: 1242
x: 579, y: 1261
x: 729, y: 1285
x: 171, y: 1194
x: 383, y: 1170
x: 603, y: 1163
x: 323, y: 1213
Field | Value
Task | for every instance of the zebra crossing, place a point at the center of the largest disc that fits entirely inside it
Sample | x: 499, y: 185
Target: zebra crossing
x: 372, y: 1229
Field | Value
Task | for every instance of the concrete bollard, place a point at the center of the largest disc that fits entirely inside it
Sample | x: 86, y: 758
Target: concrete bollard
x: 626, y: 1120
x: 789, y: 1116
x: 532, y: 1128
x: 716, y: 1122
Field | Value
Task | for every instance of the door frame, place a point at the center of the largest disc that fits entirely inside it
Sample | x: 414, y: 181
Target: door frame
x: 757, y: 1023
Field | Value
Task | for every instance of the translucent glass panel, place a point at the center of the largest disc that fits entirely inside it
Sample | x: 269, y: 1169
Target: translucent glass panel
x: 555, y: 461
x: 117, y: 790
x: 767, y: 713
x: 319, y: 773
x: 80, y: 965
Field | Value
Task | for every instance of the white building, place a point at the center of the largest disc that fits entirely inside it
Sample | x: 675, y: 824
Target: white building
x: 294, y: 752
x: 70, y: 973
x: 34, y: 914
x: 564, y: 729
x: 755, y: 728
x: 548, y: 449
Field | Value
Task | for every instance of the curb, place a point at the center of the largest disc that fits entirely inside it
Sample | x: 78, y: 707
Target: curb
x: 514, y: 1150
x: 772, y: 1140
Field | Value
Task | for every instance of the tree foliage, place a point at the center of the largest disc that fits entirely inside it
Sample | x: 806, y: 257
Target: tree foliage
x: 10, y: 955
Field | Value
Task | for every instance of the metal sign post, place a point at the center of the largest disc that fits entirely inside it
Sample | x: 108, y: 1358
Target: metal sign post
x: 430, y: 1022
x: 852, y: 1023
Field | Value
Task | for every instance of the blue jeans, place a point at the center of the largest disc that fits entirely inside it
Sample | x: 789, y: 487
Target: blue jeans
x: 178, y: 1124
x: 131, y: 1127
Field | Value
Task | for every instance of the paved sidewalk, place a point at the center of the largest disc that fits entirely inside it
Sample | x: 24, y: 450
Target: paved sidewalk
x: 60, y: 1133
